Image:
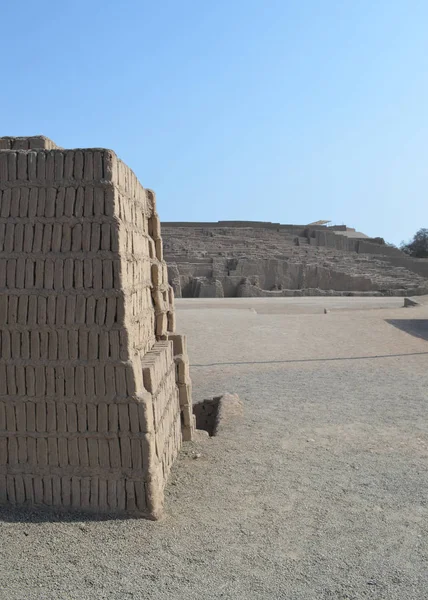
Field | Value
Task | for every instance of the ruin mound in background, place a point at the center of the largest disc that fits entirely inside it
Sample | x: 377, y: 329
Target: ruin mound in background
x: 246, y: 258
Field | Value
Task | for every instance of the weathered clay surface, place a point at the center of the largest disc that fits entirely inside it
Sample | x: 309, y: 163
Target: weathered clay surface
x: 268, y: 259
x: 95, y: 394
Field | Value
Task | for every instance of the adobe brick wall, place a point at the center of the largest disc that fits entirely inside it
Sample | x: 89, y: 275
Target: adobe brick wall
x: 90, y: 414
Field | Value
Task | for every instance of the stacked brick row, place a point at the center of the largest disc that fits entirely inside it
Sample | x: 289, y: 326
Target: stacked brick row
x: 184, y: 384
x: 36, y: 142
x: 89, y: 404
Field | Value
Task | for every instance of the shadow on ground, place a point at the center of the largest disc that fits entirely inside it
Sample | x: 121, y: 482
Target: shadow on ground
x: 416, y: 327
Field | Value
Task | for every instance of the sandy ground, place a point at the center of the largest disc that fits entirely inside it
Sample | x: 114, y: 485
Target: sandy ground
x: 320, y: 492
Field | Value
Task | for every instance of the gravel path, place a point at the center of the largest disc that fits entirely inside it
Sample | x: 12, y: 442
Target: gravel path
x: 320, y: 492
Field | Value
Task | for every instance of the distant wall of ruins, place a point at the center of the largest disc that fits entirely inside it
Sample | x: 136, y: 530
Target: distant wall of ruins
x: 91, y: 416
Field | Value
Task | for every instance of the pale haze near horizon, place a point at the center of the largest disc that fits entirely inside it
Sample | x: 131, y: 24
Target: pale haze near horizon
x: 250, y: 110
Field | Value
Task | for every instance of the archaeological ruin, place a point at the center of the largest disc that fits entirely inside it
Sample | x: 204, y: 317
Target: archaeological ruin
x: 250, y: 259
x: 95, y: 395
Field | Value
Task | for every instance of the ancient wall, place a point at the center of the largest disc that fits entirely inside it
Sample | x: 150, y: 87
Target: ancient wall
x: 90, y: 411
x: 274, y: 260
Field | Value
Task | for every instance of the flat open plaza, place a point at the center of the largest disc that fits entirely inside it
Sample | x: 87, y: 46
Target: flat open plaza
x: 318, y: 492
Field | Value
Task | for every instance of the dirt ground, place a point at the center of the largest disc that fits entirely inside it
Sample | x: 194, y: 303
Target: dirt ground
x: 319, y: 492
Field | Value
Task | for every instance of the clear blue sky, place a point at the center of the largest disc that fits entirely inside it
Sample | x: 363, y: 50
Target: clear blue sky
x: 279, y: 110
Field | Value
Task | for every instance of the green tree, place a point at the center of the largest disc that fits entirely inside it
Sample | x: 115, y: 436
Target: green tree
x: 418, y: 246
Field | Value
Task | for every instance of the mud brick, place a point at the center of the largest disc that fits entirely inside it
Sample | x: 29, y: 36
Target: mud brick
x: 73, y: 344
x: 66, y: 490
x: 9, y: 237
x: 111, y: 311
x: 88, y: 166
x: 68, y: 165
x: 87, y: 273
x: 130, y: 495
x: 68, y: 273
x: 83, y: 451
x: 56, y: 490
x: 90, y: 389
x: 105, y: 236
x: 92, y: 344
x: 56, y: 237
x: 29, y: 231
x: 100, y: 388
x: 21, y: 419
x: 10, y: 380
x: 44, y: 345
x: 97, y: 274
x: 31, y: 450
x: 104, y: 454
x: 3, y: 452
x: 50, y: 203
x: 42, y: 451
x: 3, y: 308
x: 50, y: 381
x: 100, y: 311
x: 102, y: 495
x: 16, y: 347
x: 95, y: 240
x: 30, y: 381
x: 10, y: 273
x: 15, y: 202
x: 70, y: 310
x: 51, y: 423
x: 53, y: 451
x: 79, y: 203
x: 104, y: 345
x: 12, y: 314
x: 93, y: 452
x: 78, y: 274
x: 85, y: 492
x: 69, y: 380
x: 53, y: 345
x: 12, y: 166
x: 60, y: 308
x: 40, y: 382
x: 79, y: 387
x: 58, y: 166
x: 62, y: 452
x: 88, y: 207
x: 18, y: 238
x: 39, y: 273
x: 80, y: 309
x: 22, y: 170
x: 50, y: 166
x: 47, y: 238
x: 10, y: 489
x: 73, y: 452
x: 2, y: 231
x: 6, y: 344
x: 83, y: 344
x: 67, y: 198
x: 125, y: 452
x: 29, y: 273
x: 62, y: 344
x: 107, y: 276
x: 78, y: 165
x: 66, y: 238
x: 3, y: 167
x: 10, y: 417
x: 38, y: 238
x: 94, y: 493
x: 22, y: 450
x: 49, y: 274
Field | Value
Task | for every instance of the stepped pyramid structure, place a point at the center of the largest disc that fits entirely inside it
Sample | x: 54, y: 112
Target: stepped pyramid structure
x: 247, y: 258
x: 95, y: 395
